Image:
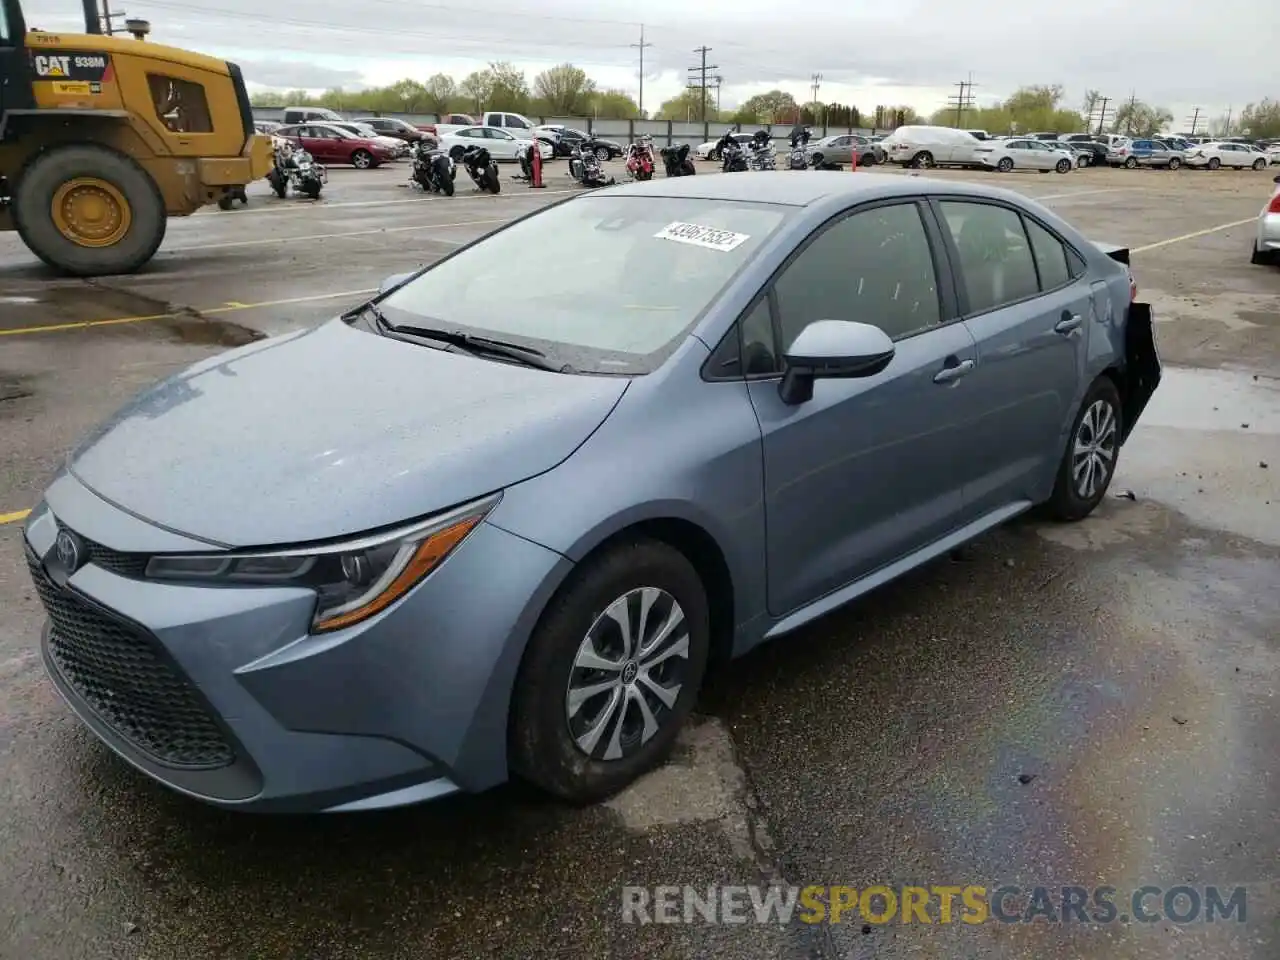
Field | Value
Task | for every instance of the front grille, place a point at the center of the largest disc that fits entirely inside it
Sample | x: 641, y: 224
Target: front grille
x: 125, y: 564
x: 116, y: 668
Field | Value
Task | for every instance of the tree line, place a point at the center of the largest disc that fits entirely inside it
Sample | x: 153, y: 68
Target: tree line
x: 566, y: 91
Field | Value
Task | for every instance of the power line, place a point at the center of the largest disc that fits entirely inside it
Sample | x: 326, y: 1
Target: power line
x: 1101, y: 111
x: 1194, y: 120
x: 641, y: 45
x: 719, y: 81
x: 963, y: 100
x: 702, y: 70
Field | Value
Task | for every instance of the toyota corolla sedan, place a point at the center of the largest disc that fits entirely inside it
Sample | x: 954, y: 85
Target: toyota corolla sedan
x: 432, y: 544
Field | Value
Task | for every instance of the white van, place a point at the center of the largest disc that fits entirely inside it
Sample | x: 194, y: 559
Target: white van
x: 921, y: 146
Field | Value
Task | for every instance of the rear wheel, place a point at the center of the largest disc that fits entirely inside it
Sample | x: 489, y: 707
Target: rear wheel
x: 226, y: 201
x: 278, y: 183
x: 1089, y: 462
x: 1265, y: 258
x: 602, y: 154
x: 312, y: 190
x: 446, y: 186
x: 922, y: 159
x: 1214, y: 163
x: 89, y: 211
x: 611, y: 672
x: 1131, y: 163
x: 1175, y: 163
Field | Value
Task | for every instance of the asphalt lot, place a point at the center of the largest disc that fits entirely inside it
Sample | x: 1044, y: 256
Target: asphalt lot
x: 1125, y: 668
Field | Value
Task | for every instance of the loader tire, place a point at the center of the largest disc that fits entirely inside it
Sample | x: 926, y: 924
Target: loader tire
x: 88, y: 210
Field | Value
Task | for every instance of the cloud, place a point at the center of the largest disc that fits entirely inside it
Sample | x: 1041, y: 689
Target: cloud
x: 297, y: 75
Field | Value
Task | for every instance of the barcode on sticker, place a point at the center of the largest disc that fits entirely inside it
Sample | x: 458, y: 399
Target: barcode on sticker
x: 700, y: 236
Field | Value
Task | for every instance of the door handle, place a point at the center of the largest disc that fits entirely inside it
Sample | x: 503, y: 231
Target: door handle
x: 1068, y: 323
x: 952, y: 373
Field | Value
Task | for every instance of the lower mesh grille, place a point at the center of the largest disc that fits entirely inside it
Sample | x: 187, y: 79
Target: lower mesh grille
x: 116, y: 668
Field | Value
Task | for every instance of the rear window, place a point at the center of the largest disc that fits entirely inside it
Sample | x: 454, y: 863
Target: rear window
x: 643, y: 271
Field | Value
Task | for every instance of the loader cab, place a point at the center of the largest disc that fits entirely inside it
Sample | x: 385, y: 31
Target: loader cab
x: 15, y: 85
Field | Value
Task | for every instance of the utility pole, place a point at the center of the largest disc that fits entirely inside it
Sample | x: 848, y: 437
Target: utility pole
x: 1226, y: 130
x: 1102, y: 113
x: 1128, y: 120
x: 817, y: 83
x: 106, y: 17
x: 963, y: 100
x: 641, y: 45
x: 719, y: 81
x: 1195, y: 119
x: 702, y: 85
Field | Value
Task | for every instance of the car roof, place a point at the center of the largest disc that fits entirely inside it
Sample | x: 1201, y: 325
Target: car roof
x: 786, y: 188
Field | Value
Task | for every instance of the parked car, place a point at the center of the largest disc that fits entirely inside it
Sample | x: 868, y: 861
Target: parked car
x: 1095, y: 150
x: 1144, y: 152
x: 706, y: 151
x: 382, y: 603
x: 266, y: 127
x: 1266, y: 246
x: 500, y: 144
x: 1079, y: 138
x: 330, y: 144
x: 1220, y: 153
x: 394, y: 145
x: 392, y: 127
x: 294, y: 115
x: 925, y: 146
x: 567, y: 138
x: 979, y: 134
x: 839, y: 148
x: 1022, y: 154
x: 1273, y: 153
x: 448, y: 120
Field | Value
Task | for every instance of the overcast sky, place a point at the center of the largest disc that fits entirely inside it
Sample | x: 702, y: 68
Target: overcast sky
x: 1173, y: 53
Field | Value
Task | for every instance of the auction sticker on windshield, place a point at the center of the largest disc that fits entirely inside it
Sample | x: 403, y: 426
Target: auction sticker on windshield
x: 701, y: 236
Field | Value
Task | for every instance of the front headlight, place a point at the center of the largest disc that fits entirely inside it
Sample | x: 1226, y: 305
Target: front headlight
x: 353, y: 580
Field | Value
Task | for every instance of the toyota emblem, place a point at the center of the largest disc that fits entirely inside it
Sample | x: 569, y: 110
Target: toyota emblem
x: 67, y: 547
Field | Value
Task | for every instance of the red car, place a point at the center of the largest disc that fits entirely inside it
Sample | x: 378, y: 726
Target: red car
x: 330, y: 144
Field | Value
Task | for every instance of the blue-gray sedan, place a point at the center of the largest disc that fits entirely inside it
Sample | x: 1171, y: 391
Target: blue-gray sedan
x: 451, y: 536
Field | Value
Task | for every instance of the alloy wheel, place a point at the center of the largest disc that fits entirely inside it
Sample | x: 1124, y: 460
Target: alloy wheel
x: 627, y: 674
x: 1093, y: 451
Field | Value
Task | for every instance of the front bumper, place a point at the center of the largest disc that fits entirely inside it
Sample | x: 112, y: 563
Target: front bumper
x: 221, y: 693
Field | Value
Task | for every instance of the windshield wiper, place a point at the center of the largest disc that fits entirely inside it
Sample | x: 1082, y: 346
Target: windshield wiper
x: 527, y: 356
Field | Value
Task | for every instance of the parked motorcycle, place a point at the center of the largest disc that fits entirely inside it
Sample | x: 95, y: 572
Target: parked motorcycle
x: 640, y: 161
x: 763, y: 155
x: 799, y: 159
x: 732, y: 159
x: 295, y: 168
x: 481, y: 168
x: 677, y: 161
x: 433, y: 170
x: 586, y: 169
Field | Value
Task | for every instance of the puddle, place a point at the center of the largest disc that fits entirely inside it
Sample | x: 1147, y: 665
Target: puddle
x: 1208, y: 445
x: 21, y: 301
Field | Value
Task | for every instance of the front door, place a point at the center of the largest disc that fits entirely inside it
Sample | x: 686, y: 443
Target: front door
x: 1029, y: 309
x: 863, y: 473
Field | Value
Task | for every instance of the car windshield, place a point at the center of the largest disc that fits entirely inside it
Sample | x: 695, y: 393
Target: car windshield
x: 608, y: 284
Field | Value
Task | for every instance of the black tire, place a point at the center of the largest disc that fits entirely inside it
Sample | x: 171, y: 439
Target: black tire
x: 1063, y: 166
x: 495, y: 184
x: 603, y: 154
x: 38, y: 183
x: 1214, y: 163
x: 455, y: 153
x: 1260, y: 163
x: 278, y: 183
x: 1131, y: 163
x: 1082, y: 161
x: 226, y: 201
x: 362, y: 160
x: 1068, y: 503
x: 1005, y: 165
x: 1175, y: 163
x: 1264, y: 258
x: 543, y: 749
x: 817, y: 160
x: 446, y: 186
x: 311, y: 190
x: 922, y: 159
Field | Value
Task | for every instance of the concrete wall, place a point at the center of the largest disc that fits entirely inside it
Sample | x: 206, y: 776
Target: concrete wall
x: 664, y: 132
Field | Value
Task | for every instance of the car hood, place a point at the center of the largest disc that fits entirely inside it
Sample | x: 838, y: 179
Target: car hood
x: 332, y: 432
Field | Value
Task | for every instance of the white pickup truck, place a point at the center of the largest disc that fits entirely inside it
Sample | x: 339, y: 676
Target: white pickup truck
x: 519, y: 126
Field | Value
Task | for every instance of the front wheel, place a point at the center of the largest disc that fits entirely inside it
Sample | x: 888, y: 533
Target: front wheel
x: 1131, y: 163
x: 602, y: 154
x: 1260, y: 163
x: 1082, y: 161
x: 87, y: 210
x: 226, y: 201
x: 611, y: 672
x: 1214, y: 163
x: 279, y: 184
x: 362, y: 159
x: 311, y: 189
x: 1063, y: 166
x: 1089, y: 462
x: 922, y: 159
x: 446, y: 186
x: 1005, y: 165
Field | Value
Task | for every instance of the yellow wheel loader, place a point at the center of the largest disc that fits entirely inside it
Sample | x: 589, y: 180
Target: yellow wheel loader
x: 103, y: 138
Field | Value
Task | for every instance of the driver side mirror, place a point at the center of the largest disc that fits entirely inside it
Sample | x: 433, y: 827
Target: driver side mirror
x: 832, y: 349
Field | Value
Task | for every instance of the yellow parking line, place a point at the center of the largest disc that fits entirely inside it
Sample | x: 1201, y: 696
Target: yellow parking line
x: 1193, y: 235
x: 226, y: 308
x: 13, y: 517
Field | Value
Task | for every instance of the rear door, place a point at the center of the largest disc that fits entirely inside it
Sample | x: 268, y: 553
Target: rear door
x: 1025, y: 302
x: 500, y: 143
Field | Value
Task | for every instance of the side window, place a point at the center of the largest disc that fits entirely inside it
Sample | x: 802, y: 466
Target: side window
x: 1051, y: 256
x: 180, y: 104
x: 4, y: 28
x: 996, y: 266
x: 515, y: 123
x: 875, y: 267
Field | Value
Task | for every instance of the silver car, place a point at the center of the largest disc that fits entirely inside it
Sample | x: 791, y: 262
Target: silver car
x: 1266, y: 246
x: 839, y: 148
x: 272, y: 588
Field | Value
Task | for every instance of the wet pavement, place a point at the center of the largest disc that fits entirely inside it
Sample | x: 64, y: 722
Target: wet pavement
x: 1083, y: 705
